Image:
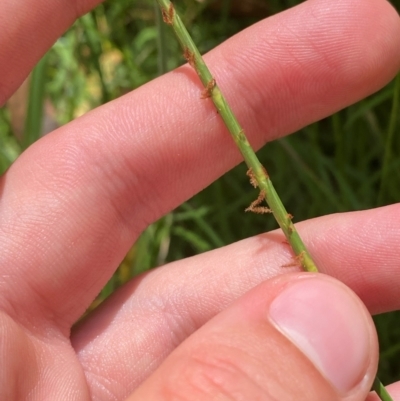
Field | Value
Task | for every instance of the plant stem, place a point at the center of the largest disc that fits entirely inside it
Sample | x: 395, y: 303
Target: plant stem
x: 161, y: 41
x: 34, y: 114
x: 380, y: 390
x: 257, y: 173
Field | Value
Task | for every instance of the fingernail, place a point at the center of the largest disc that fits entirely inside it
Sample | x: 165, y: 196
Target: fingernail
x: 328, y: 323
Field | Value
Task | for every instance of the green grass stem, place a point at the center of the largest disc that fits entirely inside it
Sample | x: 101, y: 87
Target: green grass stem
x: 89, y: 24
x: 161, y: 41
x: 35, y: 107
x: 380, y: 390
x: 258, y: 175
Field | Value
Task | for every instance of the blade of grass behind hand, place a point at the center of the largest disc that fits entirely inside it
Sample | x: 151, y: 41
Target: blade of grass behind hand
x: 385, y: 177
x: 35, y: 107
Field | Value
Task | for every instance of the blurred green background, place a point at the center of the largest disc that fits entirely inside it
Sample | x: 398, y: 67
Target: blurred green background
x: 349, y: 161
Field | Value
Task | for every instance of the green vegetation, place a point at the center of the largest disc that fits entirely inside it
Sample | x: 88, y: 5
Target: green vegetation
x: 346, y: 162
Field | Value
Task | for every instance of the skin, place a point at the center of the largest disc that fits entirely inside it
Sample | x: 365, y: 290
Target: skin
x: 70, y: 209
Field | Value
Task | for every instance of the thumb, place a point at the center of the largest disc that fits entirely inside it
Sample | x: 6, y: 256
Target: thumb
x: 296, y: 337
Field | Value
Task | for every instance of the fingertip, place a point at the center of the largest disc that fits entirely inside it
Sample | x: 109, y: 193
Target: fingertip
x: 378, y: 45
x: 331, y: 326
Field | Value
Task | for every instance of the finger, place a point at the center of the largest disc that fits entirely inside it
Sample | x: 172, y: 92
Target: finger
x: 147, y: 318
x: 28, y: 29
x: 96, y: 183
x: 297, y: 337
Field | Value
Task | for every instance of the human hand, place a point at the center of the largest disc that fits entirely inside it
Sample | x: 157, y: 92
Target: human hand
x: 206, y: 327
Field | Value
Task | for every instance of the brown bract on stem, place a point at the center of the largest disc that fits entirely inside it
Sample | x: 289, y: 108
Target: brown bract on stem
x: 168, y: 15
x: 189, y: 56
x: 253, y: 180
x: 296, y: 261
x: 207, y: 92
x: 255, y: 206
